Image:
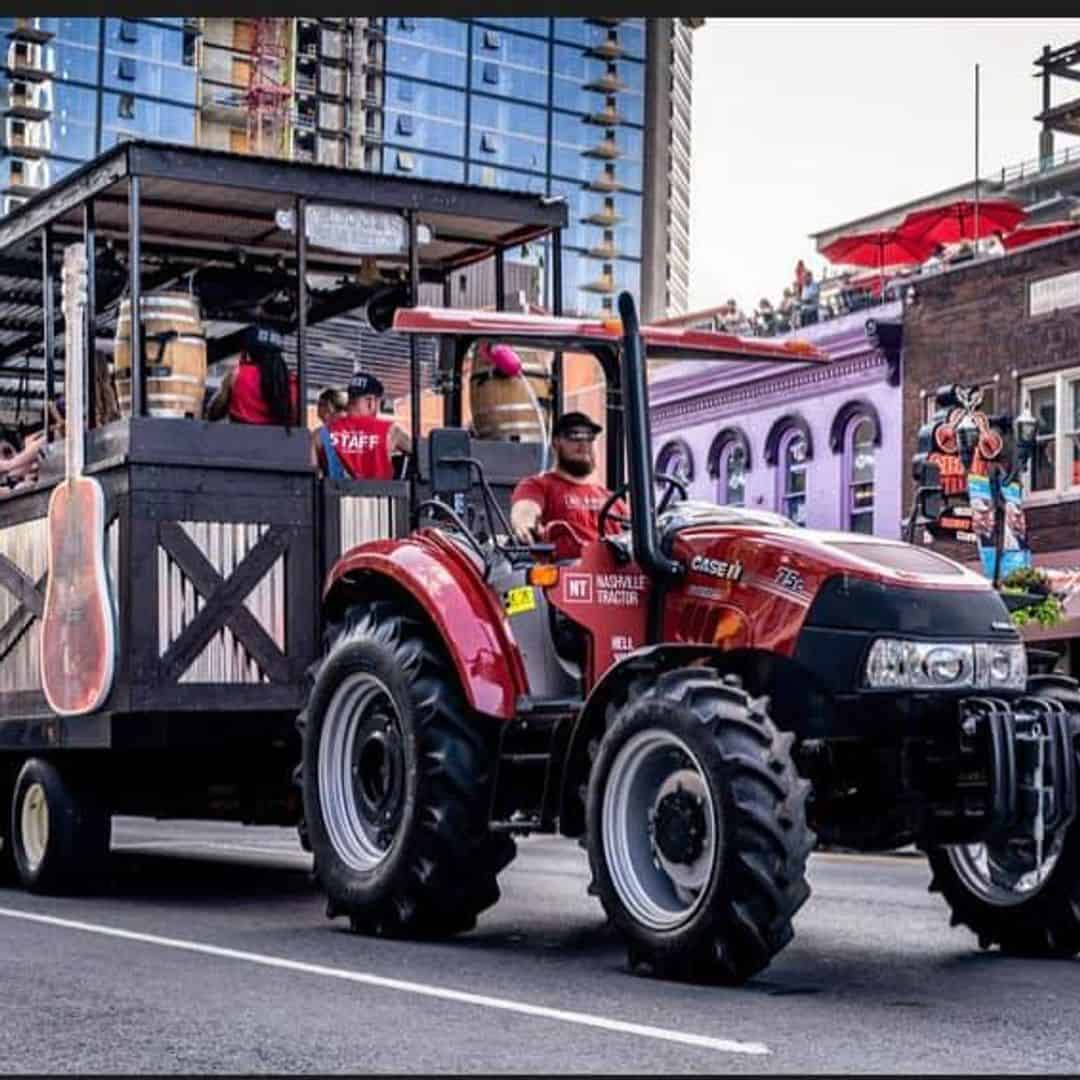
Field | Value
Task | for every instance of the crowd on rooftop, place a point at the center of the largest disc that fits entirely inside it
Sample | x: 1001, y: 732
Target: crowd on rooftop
x: 809, y: 299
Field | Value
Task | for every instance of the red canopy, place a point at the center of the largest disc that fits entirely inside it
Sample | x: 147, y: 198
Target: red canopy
x: 885, y: 247
x: 955, y: 221
x: 1032, y: 234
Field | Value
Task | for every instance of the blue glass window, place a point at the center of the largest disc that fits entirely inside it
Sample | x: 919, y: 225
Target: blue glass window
x: 526, y: 25
x: 427, y: 166
x: 505, y: 179
x: 508, y: 116
x: 422, y: 131
x: 436, y: 101
x: 509, y: 150
x: 73, y: 139
x: 77, y: 32
x: 153, y: 42
x: 574, y: 30
x: 133, y: 115
x: 425, y: 63
x: 490, y: 74
x: 78, y: 64
x: 518, y: 83
x: 438, y: 33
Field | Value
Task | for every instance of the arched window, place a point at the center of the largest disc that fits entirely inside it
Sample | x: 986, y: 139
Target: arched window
x: 676, y: 459
x: 729, y: 466
x: 793, y: 455
x: 855, y: 435
x: 859, y: 444
x: 790, y: 447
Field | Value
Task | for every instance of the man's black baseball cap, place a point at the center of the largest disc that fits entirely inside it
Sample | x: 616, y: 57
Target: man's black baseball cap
x: 363, y: 385
x: 572, y: 421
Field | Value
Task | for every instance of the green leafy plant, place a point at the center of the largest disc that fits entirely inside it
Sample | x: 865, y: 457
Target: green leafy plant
x: 1044, y: 607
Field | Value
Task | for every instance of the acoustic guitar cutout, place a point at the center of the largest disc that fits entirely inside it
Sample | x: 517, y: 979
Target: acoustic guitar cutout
x: 78, y: 625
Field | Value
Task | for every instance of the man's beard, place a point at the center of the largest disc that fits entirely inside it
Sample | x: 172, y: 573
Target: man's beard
x: 575, y: 466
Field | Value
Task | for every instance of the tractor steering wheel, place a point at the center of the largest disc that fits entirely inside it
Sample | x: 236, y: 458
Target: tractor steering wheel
x: 605, y: 511
x: 674, y: 483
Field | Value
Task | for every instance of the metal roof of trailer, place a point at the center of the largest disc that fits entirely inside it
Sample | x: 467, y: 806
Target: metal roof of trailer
x: 201, y: 207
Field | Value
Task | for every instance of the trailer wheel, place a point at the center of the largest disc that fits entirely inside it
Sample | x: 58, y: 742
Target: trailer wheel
x: 1027, y: 911
x: 397, y: 783
x: 59, y: 831
x: 7, y: 860
x: 697, y: 831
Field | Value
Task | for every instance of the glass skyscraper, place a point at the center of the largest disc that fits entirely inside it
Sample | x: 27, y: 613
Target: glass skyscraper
x: 75, y: 86
x: 553, y: 106
x: 593, y: 110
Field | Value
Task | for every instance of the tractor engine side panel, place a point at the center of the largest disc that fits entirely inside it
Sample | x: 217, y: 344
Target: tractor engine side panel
x: 741, y: 590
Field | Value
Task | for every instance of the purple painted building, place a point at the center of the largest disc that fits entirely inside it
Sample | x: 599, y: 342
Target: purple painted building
x: 819, y: 444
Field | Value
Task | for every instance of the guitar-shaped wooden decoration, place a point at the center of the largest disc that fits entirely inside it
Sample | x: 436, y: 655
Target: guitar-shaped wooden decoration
x: 78, y: 625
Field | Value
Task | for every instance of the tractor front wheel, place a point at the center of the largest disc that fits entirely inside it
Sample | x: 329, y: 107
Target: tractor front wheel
x: 396, y: 783
x: 697, y: 829
x: 1003, y: 892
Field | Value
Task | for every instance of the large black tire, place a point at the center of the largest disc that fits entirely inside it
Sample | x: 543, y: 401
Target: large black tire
x: 402, y: 846
x: 692, y: 739
x: 1044, y: 923
x: 59, y: 829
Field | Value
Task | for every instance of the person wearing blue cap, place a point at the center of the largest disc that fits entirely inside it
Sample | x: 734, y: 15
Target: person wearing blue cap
x: 359, y: 444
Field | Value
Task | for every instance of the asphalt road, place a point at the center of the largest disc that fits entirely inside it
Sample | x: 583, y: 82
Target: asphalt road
x: 210, y: 952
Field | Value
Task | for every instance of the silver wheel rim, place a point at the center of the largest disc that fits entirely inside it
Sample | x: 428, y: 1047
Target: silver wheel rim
x: 990, y: 874
x: 361, y: 771
x: 657, y: 891
x: 34, y: 825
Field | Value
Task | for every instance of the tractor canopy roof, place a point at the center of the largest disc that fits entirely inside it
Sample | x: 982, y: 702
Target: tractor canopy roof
x: 557, y: 332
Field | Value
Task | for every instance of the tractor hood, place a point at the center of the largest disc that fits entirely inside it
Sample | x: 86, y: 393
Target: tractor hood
x: 696, y: 533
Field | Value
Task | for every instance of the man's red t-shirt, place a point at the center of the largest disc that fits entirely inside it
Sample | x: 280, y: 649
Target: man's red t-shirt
x: 362, y: 445
x: 246, y: 402
x: 577, y: 504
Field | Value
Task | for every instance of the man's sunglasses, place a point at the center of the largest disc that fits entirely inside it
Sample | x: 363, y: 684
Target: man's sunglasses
x: 578, y: 436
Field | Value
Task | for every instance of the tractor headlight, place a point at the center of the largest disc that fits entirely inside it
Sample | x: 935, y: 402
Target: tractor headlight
x: 936, y: 665
x: 1001, y: 667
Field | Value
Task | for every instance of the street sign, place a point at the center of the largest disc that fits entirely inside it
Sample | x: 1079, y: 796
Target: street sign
x: 353, y: 229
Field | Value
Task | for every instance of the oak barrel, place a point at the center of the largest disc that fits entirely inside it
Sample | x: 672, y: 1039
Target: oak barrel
x: 174, y: 355
x: 500, y: 405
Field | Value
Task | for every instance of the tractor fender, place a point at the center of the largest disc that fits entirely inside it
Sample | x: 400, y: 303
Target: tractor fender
x: 788, y: 684
x: 463, y: 611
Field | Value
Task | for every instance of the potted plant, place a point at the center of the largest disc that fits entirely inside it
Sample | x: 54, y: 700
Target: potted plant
x: 1030, y: 598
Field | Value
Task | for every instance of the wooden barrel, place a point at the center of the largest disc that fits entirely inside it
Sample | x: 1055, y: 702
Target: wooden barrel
x: 174, y: 362
x: 501, y: 407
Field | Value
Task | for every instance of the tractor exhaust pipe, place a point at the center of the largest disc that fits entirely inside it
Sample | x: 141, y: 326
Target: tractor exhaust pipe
x: 638, y: 437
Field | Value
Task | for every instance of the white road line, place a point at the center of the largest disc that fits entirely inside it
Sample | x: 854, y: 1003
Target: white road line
x: 624, y: 1027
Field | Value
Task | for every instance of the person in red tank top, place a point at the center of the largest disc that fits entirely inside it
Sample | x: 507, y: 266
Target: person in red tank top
x: 565, y: 493
x: 362, y: 440
x: 260, y: 389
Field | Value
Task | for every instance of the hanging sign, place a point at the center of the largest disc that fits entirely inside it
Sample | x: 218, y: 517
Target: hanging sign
x: 354, y: 230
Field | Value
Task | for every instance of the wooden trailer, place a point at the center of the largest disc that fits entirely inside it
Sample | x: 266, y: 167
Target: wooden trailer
x: 217, y: 535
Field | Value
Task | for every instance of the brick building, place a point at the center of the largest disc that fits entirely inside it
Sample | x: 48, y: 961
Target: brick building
x: 1012, y: 326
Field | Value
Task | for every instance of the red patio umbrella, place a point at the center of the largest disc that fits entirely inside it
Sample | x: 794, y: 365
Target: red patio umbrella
x: 955, y: 221
x: 884, y: 247
x: 1032, y: 234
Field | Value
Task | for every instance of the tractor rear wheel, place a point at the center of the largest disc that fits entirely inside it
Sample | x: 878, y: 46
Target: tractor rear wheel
x: 999, y: 892
x: 396, y: 782
x: 697, y: 829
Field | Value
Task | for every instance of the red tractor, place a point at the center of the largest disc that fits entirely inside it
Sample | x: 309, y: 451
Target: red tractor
x: 694, y: 698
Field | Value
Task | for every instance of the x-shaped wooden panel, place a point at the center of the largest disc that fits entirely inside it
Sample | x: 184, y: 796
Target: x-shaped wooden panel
x: 31, y: 597
x: 223, y: 602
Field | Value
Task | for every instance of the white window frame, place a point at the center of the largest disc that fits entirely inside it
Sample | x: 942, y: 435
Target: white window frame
x: 1063, y: 487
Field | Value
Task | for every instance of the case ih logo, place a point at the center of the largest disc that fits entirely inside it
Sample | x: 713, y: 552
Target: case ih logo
x: 721, y: 568
x: 578, y: 588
